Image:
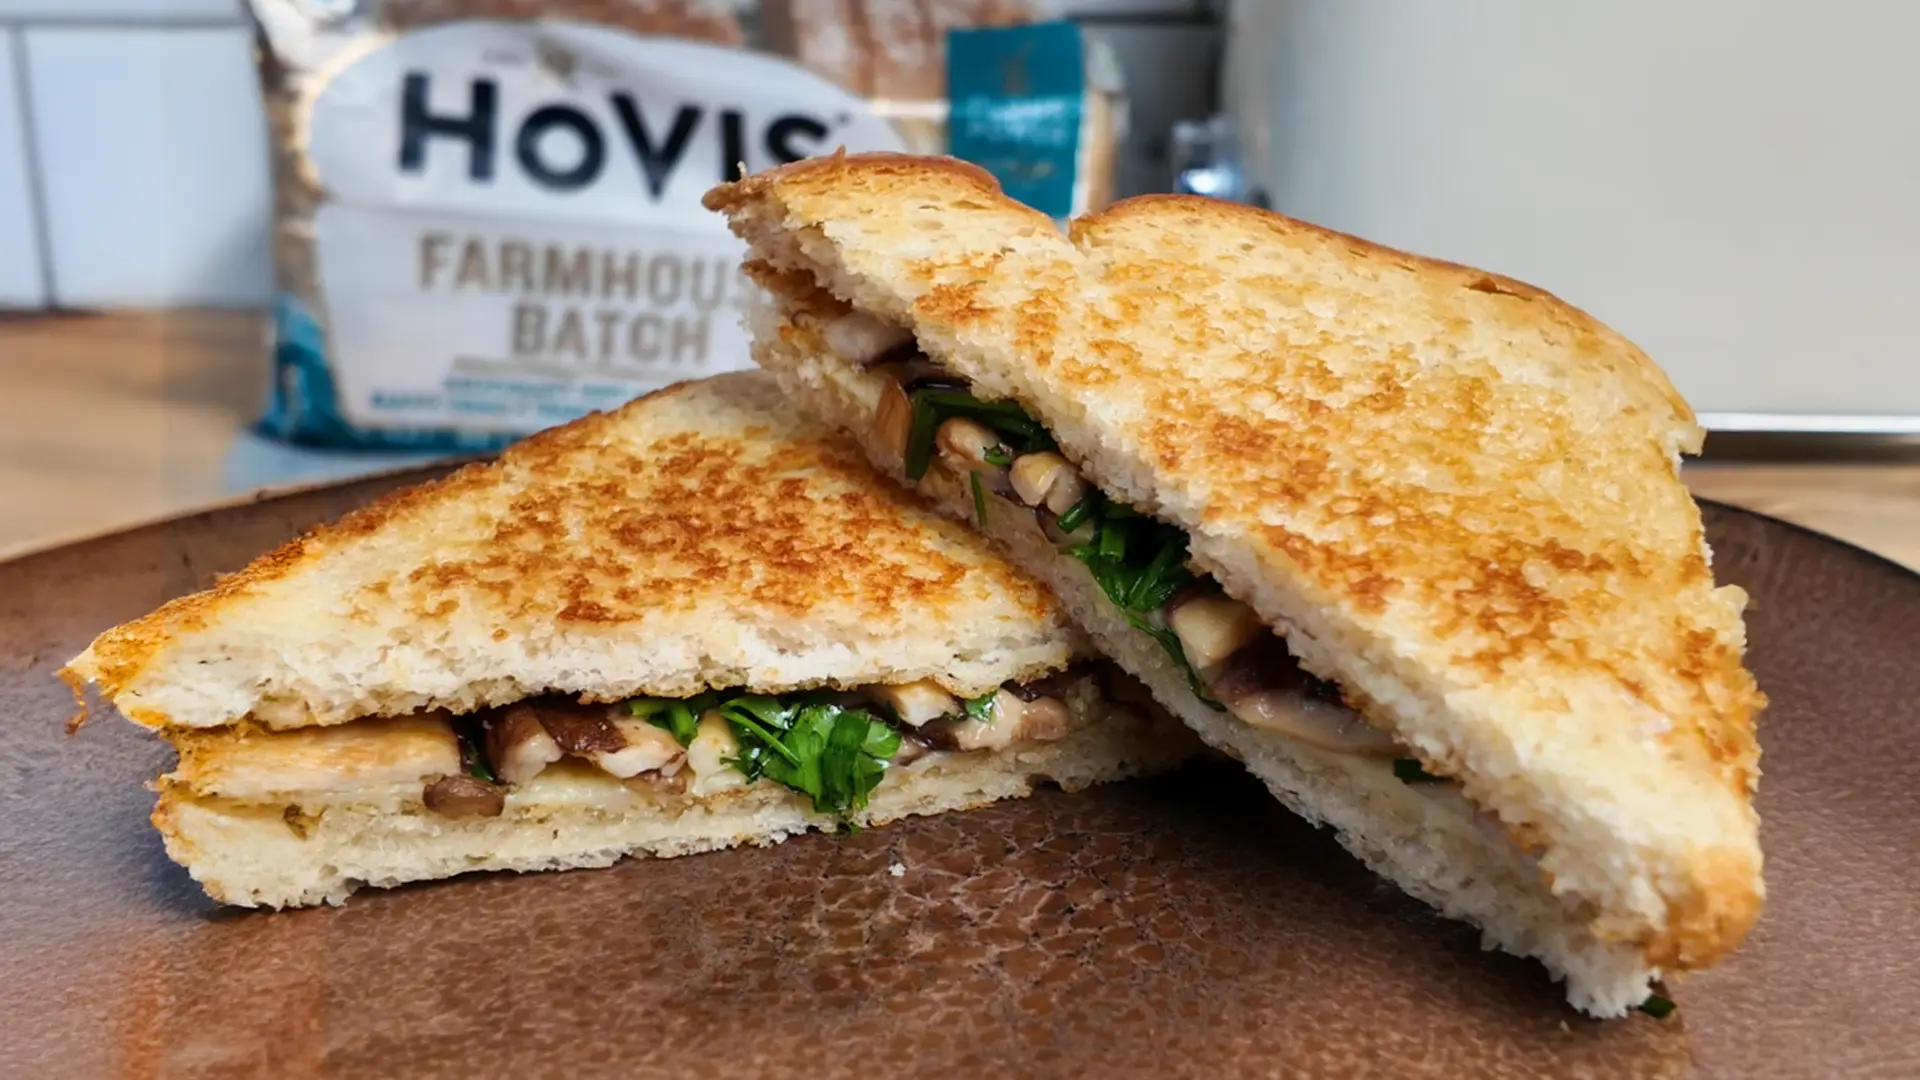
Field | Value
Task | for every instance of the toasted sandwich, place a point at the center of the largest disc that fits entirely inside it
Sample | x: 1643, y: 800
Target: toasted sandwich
x: 1405, y: 537
x: 697, y: 621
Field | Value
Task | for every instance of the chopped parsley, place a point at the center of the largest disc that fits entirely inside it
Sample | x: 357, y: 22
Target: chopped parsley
x: 833, y: 754
x: 473, y: 757
x: 1657, y: 1007
x: 1079, y: 512
x: 932, y: 406
x: 1139, y: 562
x: 1410, y: 771
x: 679, y: 718
x: 980, y: 708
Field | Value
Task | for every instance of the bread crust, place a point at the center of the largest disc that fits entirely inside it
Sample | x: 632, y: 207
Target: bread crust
x: 1456, y: 494
x: 701, y: 535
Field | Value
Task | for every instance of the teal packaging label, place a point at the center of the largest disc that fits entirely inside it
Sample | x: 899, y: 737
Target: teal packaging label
x: 1018, y: 100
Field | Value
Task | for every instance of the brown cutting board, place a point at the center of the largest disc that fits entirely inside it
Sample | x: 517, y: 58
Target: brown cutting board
x: 1184, y: 926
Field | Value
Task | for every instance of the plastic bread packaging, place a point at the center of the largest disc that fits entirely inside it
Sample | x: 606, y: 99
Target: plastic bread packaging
x: 486, y: 212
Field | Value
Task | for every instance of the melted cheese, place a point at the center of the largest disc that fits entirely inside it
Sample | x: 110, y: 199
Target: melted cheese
x: 364, y: 754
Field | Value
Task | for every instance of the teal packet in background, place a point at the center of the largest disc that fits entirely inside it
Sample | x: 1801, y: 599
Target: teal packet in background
x: 1039, y: 107
x: 302, y: 403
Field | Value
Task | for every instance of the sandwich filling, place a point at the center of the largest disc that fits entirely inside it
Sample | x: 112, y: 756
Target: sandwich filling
x: 927, y: 418
x: 833, y: 747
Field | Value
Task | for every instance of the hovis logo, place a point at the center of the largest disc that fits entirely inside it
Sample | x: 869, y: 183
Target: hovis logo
x: 570, y: 121
x: 582, y: 153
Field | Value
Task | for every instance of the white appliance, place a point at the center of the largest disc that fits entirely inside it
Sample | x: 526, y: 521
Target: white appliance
x: 1734, y: 186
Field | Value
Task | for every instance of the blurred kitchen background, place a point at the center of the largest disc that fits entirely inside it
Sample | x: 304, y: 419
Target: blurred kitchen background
x: 1730, y: 185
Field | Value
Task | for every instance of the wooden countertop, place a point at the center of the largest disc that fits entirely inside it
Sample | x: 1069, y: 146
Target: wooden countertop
x: 110, y: 420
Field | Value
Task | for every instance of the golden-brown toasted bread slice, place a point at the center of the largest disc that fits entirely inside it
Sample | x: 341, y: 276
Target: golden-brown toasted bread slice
x: 703, y: 536
x: 1454, y: 494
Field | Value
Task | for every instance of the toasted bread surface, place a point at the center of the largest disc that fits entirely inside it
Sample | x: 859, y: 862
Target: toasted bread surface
x: 705, y: 535
x: 1456, y: 495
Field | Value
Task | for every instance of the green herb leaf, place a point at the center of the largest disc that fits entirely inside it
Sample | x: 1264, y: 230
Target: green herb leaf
x: 883, y: 740
x: 767, y: 723
x: 675, y: 716
x: 473, y: 756
x: 682, y: 721
x: 1410, y: 771
x: 799, y: 750
x: 1657, y: 1007
x: 1005, y: 417
x: 1163, y: 577
x: 833, y: 755
x: 763, y: 708
x: 840, y: 762
x: 708, y: 700
x: 926, y: 420
x: 934, y: 406
x: 1079, y: 512
x: 980, y: 708
x: 1170, y: 642
x: 1139, y: 562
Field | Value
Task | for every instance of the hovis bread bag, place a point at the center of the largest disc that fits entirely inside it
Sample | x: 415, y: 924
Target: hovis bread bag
x: 487, y: 213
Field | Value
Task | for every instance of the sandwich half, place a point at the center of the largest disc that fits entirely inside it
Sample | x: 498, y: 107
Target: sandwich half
x: 696, y: 621
x: 1404, y: 537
